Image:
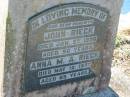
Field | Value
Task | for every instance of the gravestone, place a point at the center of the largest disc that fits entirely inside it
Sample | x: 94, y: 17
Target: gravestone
x: 62, y: 48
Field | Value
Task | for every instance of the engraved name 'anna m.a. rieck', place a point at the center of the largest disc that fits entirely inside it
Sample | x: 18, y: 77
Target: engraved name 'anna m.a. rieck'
x: 63, y: 44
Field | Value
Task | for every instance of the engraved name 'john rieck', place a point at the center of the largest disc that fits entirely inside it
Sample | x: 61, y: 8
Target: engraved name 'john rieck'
x: 64, y: 44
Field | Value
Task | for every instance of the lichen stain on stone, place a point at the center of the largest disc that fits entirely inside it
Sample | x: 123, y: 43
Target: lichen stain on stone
x: 9, y: 55
x: 96, y: 68
x: 35, y: 4
x: 9, y: 44
x: 61, y: 1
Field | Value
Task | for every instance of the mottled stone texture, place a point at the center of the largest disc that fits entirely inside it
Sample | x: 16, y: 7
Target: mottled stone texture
x: 19, y: 12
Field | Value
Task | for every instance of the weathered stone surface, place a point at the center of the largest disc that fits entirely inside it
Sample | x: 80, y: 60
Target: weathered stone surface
x: 20, y: 11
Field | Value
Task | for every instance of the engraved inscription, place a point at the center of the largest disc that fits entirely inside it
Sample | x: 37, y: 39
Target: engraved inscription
x: 64, y: 44
x: 69, y: 33
x: 67, y: 12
